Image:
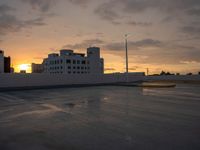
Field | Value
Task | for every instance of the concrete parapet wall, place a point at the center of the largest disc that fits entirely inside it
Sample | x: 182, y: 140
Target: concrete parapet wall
x: 45, y: 80
x: 36, y: 80
x: 195, y: 78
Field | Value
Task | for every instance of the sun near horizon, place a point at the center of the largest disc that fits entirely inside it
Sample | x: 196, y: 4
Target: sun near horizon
x: 23, y: 67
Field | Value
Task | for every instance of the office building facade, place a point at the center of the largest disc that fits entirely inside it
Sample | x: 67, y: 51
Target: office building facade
x: 68, y: 62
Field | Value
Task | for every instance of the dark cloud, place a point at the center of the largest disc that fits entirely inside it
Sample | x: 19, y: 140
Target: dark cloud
x: 10, y: 23
x: 106, y: 12
x: 194, y: 11
x: 145, y: 51
x: 154, y: 52
x: 140, y: 24
x: 4, y: 9
x: 191, y: 30
x: 84, y: 44
x: 80, y: 2
x: 42, y: 5
x: 161, y: 5
x: 173, y: 54
x: 113, y: 10
x: 133, y: 45
x: 34, y: 22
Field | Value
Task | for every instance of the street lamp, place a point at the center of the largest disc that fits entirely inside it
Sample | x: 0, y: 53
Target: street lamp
x: 126, y: 47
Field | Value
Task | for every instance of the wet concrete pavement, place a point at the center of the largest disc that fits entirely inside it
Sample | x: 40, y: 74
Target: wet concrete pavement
x: 101, y: 118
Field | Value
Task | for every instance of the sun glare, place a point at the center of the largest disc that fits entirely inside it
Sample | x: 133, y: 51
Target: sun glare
x: 24, y: 67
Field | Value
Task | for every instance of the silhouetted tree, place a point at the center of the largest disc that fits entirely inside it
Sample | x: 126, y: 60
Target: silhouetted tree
x: 189, y: 74
x: 162, y: 73
x: 169, y: 74
x: 199, y: 73
x: 165, y: 73
x: 178, y: 74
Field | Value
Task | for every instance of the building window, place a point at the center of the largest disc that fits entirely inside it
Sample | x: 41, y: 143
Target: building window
x: 74, y: 61
x: 69, y: 67
x: 82, y: 68
x: 61, y: 61
x: 74, y: 72
x: 88, y: 62
x: 74, y: 67
x: 69, y: 72
x: 83, y: 62
x: 78, y: 67
x: 68, y: 61
x: 78, y: 61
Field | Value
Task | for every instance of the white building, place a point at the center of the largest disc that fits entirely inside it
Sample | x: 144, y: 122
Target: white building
x: 69, y: 62
x: 1, y: 61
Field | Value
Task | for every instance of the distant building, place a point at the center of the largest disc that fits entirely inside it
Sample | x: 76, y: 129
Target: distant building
x: 1, y: 61
x: 137, y: 73
x: 23, y: 71
x: 5, y: 63
x: 37, y: 68
x: 69, y: 62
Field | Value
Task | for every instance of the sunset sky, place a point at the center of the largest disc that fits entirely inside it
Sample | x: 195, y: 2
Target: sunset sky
x: 164, y: 34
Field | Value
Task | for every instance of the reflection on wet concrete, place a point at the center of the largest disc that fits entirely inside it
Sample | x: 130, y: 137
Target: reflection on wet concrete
x: 101, y: 118
x: 48, y: 108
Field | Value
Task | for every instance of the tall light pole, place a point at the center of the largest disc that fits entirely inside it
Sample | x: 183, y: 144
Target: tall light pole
x: 126, y: 46
x: 147, y: 71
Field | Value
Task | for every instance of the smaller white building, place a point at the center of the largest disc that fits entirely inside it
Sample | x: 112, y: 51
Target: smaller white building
x: 68, y: 62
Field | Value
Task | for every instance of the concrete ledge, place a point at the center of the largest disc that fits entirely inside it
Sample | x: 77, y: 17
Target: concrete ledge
x: 25, y: 88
